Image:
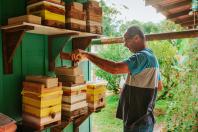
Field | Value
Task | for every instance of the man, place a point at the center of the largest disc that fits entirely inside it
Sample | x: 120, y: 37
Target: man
x: 138, y: 96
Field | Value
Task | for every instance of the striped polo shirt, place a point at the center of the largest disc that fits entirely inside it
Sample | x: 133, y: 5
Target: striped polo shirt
x: 139, y: 93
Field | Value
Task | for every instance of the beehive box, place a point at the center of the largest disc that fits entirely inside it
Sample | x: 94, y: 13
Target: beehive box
x: 49, y: 82
x: 26, y: 18
x: 29, y: 2
x: 75, y: 17
x: 96, y: 95
x: 40, y: 88
x: 75, y: 113
x: 68, y: 71
x: 7, y: 124
x: 93, y: 17
x: 42, y: 102
x: 70, y: 78
x: 41, y: 123
x: 52, y: 14
x: 74, y: 98
x: 68, y: 91
x: 75, y: 106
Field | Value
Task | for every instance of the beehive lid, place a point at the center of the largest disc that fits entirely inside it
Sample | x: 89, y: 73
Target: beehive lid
x: 5, y: 120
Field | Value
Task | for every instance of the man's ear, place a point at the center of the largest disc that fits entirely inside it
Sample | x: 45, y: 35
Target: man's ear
x: 136, y: 37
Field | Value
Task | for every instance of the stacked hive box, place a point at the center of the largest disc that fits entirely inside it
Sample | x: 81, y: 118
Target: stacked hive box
x: 75, y: 17
x: 96, y: 95
x: 74, y: 92
x: 94, y: 17
x: 42, y: 98
x: 52, y: 12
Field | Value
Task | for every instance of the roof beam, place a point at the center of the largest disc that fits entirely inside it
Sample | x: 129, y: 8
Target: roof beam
x: 190, y: 23
x: 152, y: 37
x: 189, y: 18
x: 152, y: 2
x: 175, y: 5
x: 179, y: 14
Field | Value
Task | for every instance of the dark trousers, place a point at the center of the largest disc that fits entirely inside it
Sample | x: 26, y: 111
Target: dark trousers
x: 140, y: 128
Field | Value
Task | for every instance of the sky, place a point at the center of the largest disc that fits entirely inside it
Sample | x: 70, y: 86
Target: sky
x: 136, y: 10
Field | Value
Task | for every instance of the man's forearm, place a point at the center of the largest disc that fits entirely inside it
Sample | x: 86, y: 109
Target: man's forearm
x: 106, y: 65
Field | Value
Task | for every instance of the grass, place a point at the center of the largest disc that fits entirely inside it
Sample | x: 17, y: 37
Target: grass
x: 106, y: 121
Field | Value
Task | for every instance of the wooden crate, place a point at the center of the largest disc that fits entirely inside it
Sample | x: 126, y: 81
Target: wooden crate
x: 94, y: 27
x: 75, y: 113
x: 37, y: 112
x: 75, y: 6
x: 40, y: 88
x: 74, y: 79
x: 74, y: 98
x: 26, y: 18
x: 68, y: 71
x: 72, y: 107
x: 29, y: 2
x: 49, y: 82
x: 41, y: 123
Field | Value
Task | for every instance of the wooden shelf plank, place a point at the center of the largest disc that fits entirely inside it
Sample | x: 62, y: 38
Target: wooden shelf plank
x: 46, y: 30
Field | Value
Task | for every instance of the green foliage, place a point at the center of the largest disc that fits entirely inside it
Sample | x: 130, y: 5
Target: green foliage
x: 115, y: 53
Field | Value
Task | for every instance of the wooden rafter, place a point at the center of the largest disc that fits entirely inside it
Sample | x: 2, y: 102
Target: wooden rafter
x: 153, y: 37
x: 174, y: 5
x: 179, y: 14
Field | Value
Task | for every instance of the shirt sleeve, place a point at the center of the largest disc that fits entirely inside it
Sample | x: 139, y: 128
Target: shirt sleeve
x: 159, y: 76
x: 136, y: 63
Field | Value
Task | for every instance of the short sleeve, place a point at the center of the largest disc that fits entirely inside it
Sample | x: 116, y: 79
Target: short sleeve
x: 136, y: 63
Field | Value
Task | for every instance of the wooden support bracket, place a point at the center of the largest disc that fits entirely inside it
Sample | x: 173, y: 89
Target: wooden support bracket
x: 81, y: 42
x: 11, y: 40
x: 55, y: 49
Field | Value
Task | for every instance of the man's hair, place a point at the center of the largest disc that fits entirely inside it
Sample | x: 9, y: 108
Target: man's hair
x: 135, y: 30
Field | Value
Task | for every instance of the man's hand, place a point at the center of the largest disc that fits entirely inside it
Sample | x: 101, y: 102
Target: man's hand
x: 79, y: 55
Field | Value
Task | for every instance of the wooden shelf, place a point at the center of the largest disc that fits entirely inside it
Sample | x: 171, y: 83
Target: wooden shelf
x: 46, y: 30
x: 13, y: 34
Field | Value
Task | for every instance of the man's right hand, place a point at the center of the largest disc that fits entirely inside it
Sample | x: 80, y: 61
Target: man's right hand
x: 79, y: 55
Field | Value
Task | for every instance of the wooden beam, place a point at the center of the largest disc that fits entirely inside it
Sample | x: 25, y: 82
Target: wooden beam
x: 152, y: 37
x: 175, y: 5
x: 152, y: 2
x: 190, y: 23
x: 179, y: 14
x: 189, y: 18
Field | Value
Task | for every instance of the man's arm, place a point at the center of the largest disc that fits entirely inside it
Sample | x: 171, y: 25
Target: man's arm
x: 108, y: 66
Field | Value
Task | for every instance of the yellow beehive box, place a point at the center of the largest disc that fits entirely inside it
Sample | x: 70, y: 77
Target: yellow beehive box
x: 42, y: 100
x: 75, y: 90
x: 41, y: 112
x: 96, y: 87
x: 94, y: 98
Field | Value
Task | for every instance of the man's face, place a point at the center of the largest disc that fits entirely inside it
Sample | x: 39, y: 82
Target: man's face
x: 131, y: 42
